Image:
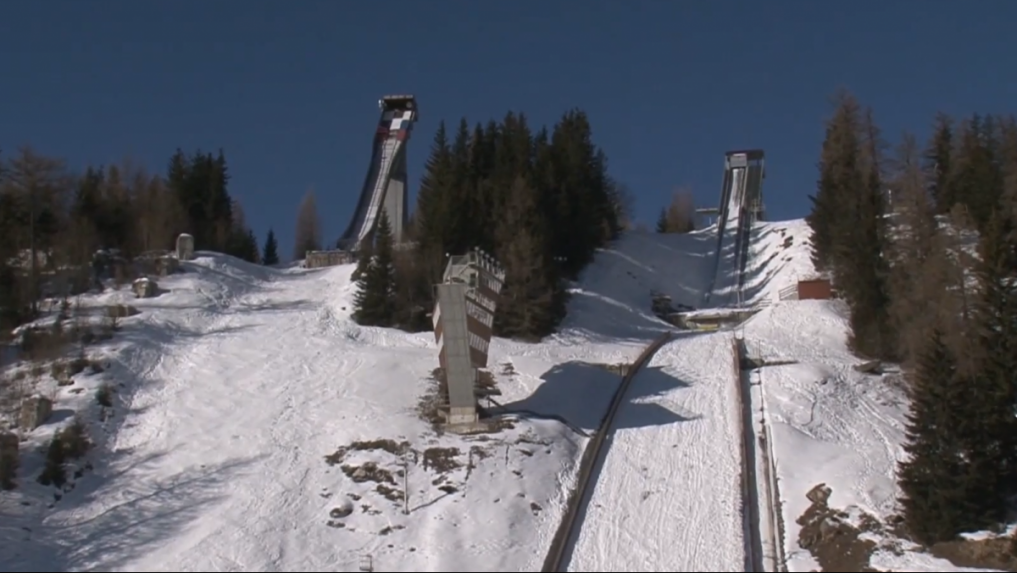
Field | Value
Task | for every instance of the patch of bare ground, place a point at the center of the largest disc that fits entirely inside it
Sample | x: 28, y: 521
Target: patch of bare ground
x: 837, y: 543
x: 368, y: 471
x: 432, y: 403
x: 390, y: 493
x: 442, y: 460
x: 529, y: 444
x: 833, y: 541
x: 485, y: 379
x: 391, y: 446
x: 993, y: 553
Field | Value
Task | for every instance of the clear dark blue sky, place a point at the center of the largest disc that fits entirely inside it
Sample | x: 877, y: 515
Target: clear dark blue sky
x: 289, y: 89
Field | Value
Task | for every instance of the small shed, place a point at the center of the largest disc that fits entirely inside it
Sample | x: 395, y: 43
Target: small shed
x: 816, y: 289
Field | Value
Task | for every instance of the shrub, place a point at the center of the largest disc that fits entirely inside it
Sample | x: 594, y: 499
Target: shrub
x: 69, y: 443
x: 9, y: 461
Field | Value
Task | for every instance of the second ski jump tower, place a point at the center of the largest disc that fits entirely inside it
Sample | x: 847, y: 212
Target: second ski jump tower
x: 741, y: 206
x: 385, y: 185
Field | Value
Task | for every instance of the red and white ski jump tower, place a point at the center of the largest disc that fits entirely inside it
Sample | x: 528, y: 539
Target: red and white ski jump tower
x: 385, y: 185
x: 463, y: 319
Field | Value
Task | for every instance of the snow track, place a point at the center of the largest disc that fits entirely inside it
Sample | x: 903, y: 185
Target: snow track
x: 562, y: 546
x: 668, y: 494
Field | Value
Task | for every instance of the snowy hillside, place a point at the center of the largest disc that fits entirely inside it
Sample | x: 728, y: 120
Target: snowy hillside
x: 668, y: 495
x: 612, y: 301
x: 256, y: 427
x: 238, y: 382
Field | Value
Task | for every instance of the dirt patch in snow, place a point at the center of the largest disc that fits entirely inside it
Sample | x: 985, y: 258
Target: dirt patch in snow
x: 442, y: 460
x: 368, y: 471
x: 834, y: 539
x: 845, y: 541
x: 994, y: 553
x: 430, y: 404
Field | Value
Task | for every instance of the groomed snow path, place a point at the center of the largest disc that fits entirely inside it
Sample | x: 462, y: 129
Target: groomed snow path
x: 668, y: 497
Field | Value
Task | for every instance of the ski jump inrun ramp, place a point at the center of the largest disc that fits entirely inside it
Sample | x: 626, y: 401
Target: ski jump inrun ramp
x: 385, y: 185
x: 741, y: 205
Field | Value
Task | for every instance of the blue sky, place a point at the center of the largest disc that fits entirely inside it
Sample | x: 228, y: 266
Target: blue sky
x: 289, y: 89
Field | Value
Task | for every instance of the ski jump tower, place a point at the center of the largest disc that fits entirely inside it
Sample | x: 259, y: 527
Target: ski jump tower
x: 741, y: 206
x: 742, y: 194
x: 385, y: 185
x: 463, y: 322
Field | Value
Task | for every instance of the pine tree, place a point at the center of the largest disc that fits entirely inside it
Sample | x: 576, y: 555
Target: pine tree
x: 840, y: 181
x: 975, y: 177
x: 935, y: 492
x: 374, y: 303
x: 938, y: 164
x: 270, y: 252
x: 849, y: 235
x: 662, y: 221
x: 531, y: 300
x: 434, y: 198
x: 251, y: 252
x: 993, y: 403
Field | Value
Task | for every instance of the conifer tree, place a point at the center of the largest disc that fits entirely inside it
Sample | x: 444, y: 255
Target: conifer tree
x: 270, y: 252
x: 433, y: 200
x: 861, y: 268
x: 938, y: 157
x: 662, y: 221
x: 374, y: 303
x: 531, y: 299
x: 840, y: 180
x: 935, y: 494
x: 975, y: 178
x: 993, y: 403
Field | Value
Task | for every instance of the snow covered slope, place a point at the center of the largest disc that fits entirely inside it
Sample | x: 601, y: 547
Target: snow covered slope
x: 668, y: 494
x: 780, y: 254
x: 612, y: 301
x: 238, y: 382
x: 828, y: 422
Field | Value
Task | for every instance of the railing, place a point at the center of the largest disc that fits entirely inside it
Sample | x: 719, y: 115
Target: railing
x: 789, y: 292
x: 319, y: 259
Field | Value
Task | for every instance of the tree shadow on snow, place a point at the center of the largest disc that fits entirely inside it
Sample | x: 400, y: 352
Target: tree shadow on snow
x: 59, y: 415
x: 622, y: 306
x: 170, y: 333
x: 601, y: 319
x: 146, y: 512
x: 757, y: 272
x: 579, y: 395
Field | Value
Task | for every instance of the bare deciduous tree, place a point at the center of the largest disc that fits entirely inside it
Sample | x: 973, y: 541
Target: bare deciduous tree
x: 308, y: 230
x: 919, y: 273
x: 680, y: 215
x: 624, y: 203
x: 41, y: 186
